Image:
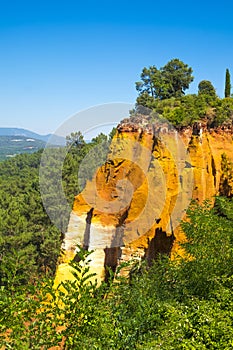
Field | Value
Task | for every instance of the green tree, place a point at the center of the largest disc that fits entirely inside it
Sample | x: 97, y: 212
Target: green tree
x: 169, y: 81
x: 177, y: 76
x: 205, y: 87
x: 112, y: 133
x: 152, y: 82
x: 75, y: 139
x: 223, y: 111
x: 227, y: 84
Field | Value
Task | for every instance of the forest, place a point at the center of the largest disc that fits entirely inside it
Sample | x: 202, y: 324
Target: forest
x: 180, y: 303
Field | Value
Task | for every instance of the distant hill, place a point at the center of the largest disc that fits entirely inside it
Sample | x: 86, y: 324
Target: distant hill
x: 14, y: 141
x: 57, y: 140
x: 10, y: 146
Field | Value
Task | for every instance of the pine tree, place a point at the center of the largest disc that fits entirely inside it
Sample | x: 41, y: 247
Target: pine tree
x: 228, y: 84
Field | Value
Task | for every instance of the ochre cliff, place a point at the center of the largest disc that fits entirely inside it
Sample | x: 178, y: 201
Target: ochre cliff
x: 133, y: 205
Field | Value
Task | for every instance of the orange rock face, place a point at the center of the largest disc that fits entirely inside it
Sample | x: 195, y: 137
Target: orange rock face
x: 133, y: 205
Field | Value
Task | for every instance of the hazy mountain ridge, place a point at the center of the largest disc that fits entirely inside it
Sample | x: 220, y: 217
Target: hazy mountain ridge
x: 14, y: 141
x: 56, y: 140
x: 10, y: 146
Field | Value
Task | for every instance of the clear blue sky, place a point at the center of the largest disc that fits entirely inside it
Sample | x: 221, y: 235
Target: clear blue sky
x: 58, y: 57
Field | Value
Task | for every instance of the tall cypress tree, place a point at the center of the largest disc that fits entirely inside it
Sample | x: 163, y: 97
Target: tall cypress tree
x: 228, y: 84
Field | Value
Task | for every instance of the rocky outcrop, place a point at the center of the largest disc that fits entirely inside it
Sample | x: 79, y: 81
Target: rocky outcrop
x: 133, y: 205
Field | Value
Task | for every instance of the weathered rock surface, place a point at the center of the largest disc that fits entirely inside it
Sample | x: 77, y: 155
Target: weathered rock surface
x: 134, y: 203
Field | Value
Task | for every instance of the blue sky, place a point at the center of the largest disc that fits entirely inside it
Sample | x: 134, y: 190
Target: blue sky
x: 60, y: 57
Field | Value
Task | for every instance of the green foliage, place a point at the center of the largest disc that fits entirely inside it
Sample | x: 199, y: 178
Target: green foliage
x: 184, y: 303
x: 166, y: 82
x: 226, y: 176
x: 162, y: 92
x: 81, y: 163
x: 223, y: 112
x: 177, y: 76
x: 112, y: 133
x: 29, y: 243
x: 179, y: 112
x: 209, y: 242
x: 75, y: 139
x: 190, y: 108
x: 227, y: 84
x: 206, y: 89
x: 153, y: 83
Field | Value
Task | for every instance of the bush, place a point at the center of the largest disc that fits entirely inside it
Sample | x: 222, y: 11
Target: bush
x: 184, y: 303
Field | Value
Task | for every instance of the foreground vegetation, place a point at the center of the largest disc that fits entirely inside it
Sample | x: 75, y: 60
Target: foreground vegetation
x: 186, y: 303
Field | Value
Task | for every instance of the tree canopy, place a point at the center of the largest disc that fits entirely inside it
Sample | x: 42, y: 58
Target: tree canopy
x: 205, y: 87
x: 162, y: 91
x: 168, y: 81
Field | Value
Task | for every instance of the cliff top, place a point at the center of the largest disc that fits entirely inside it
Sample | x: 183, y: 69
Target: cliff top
x: 152, y: 123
